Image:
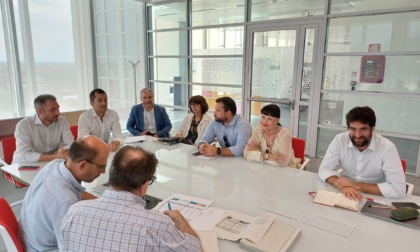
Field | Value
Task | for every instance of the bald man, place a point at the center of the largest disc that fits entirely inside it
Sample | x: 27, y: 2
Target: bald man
x: 55, y: 188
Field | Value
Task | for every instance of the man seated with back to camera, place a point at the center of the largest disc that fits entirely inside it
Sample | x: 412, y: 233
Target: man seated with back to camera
x: 370, y: 162
x: 232, y: 132
x: 120, y: 217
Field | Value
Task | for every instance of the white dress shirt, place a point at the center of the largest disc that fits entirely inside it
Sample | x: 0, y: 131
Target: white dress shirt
x: 90, y: 124
x: 33, y: 138
x: 379, y: 164
x: 149, y: 121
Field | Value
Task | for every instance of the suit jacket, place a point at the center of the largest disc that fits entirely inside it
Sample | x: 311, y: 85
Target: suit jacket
x: 135, y: 121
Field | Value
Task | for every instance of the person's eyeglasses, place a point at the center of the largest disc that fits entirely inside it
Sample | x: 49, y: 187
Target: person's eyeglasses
x: 194, y: 104
x: 98, y: 165
x: 362, y: 130
x: 152, y: 180
x: 227, y: 144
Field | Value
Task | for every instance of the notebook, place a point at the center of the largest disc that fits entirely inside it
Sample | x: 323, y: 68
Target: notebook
x: 385, y: 214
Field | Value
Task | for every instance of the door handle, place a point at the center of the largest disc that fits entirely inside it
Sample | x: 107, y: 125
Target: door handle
x: 292, y: 104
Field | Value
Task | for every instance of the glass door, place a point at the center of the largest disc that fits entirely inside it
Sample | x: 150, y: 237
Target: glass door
x: 280, y: 70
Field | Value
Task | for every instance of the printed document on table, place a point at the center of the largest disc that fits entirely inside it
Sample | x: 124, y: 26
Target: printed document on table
x: 190, y: 207
x: 208, y: 219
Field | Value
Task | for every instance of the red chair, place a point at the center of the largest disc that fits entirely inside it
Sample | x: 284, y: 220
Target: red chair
x: 409, y: 187
x: 74, y: 130
x: 9, y: 146
x: 9, y: 228
x: 298, y: 146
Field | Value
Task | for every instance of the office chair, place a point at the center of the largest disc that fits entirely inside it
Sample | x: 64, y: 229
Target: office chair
x: 9, y: 147
x: 409, y: 187
x: 74, y: 130
x: 9, y: 228
x: 298, y: 146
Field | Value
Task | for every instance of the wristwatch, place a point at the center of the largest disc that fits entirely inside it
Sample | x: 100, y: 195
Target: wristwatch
x: 219, y: 151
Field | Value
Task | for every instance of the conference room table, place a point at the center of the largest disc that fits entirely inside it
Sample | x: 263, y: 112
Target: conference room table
x: 255, y: 189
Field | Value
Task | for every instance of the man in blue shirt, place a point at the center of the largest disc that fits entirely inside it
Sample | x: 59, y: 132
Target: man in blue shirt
x: 232, y: 132
x: 148, y: 118
x: 55, y: 188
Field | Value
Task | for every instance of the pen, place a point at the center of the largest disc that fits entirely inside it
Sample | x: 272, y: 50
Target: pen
x: 382, y: 207
x: 373, y: 200
x: 169, y: 206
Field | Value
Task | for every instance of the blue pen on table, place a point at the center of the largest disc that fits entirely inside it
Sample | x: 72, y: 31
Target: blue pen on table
x: 169, y: 206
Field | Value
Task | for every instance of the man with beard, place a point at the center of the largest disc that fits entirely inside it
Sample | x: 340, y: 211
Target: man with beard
x: 44, y: 136
x: 148, y: 118
x: 370, y: 162
x: 101, y: 121
x: 232, y: 132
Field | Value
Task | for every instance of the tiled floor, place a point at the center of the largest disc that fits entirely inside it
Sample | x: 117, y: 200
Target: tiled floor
x: 11, y: 194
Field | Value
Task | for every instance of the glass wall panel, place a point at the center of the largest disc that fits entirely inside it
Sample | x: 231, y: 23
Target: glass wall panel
x: 167, y: 16
x: 211, y: 93
x: 217, y: 70
x: 218, y: 41
x: 205, y: 12
x: 273, y: 64
x: 303, y: 121
x: 170, y: 94
x: 168, y: 43
x: 53, y: 51
x: 378, y: 33
x: 268, y: 10
x: 169, y: 69
x: 401, y: 74
x: 8, y: 108
x: 340, y: 6
x: 397, y: 114
x: 256, y: 107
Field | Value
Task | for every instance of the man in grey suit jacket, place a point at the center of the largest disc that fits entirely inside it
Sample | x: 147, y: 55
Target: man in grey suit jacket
x: 148, y: 118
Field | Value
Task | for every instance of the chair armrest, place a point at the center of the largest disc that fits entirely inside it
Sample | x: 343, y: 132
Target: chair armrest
x: 305, y: 162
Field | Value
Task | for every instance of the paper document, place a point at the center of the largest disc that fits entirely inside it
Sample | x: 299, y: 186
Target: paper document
x: 208, y: 219
x: 189, y: 206
x: 134, y: 139
x: 208, y: 241
x: 205, y: 157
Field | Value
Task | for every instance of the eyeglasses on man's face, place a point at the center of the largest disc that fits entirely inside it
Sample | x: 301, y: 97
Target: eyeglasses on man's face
x: 152, y: 180
x: 103, y: 166
x: 363, y: 130
x: 227, y: 144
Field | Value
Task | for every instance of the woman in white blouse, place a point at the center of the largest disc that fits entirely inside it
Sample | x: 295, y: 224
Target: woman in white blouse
x: 195, y: 123
x: 270, y: 142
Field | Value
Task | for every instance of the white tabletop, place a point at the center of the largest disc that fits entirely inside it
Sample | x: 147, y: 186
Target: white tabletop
x: 248, y: 187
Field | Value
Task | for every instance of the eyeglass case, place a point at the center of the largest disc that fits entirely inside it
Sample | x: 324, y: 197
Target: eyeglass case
x: 404, y: 213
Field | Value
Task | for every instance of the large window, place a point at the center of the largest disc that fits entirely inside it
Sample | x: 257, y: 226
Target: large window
x: 40, y: 53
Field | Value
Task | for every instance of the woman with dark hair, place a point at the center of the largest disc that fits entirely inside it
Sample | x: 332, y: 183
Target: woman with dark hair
x: 270, y: 142
x: 195, y: 123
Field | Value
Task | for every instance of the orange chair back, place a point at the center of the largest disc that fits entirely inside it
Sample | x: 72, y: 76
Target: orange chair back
x: 9, y: 222
x: 9, y: 147
x: 74, y: 130
x: 298, y: 146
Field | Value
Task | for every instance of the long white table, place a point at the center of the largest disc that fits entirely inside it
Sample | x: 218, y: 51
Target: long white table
x: 234, y: 183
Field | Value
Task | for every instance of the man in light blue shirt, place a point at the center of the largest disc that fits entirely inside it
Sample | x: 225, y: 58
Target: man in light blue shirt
x: 232, y: 132
x: 55, y: 188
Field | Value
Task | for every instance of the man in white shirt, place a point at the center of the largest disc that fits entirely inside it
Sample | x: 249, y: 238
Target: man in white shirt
x: 101, y: 121
x: 370, y: 162
x: 44, y: 136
